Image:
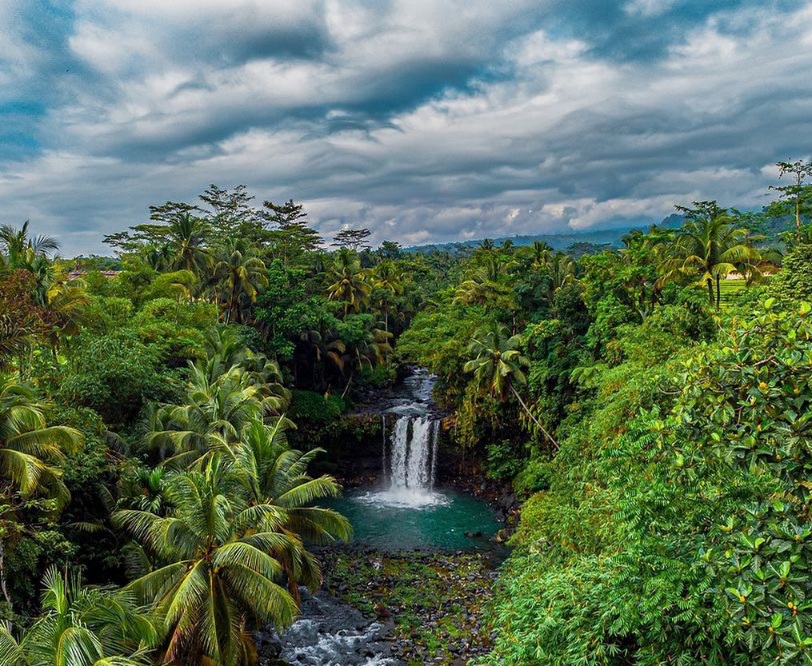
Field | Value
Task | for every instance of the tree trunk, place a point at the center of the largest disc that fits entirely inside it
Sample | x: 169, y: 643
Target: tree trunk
x: 718, y: 292
x: 798, y: 214
x: 710, y: 291
x: 3, y: 582
x: 347, y: 387
x: 535, y: 420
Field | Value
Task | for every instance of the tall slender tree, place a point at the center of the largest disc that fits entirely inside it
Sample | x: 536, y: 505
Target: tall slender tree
x: 217, y: 576
x: 350, y: 285
x: 795, y: 198
x: 707, y: 248
x: 497, y: 365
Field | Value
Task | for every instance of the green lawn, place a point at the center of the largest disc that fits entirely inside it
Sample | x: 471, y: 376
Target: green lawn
x: 728, y: 290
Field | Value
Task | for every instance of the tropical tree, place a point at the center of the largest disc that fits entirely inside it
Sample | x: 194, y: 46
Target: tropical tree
x: 276, y: 475
x: 559, y: 271
x: 355, y: 240
x: 22, y: 319
x: 795, y: 198
x: 217, y: 576
x: 19, y: 250
x: 214, y: 413
x: 497, y: 365
x: 486, y: 285
x: 81, y: 626
x: 187, y: 242
x: 65, y: 309
x: 539, y: 254
x: 350, y: 285
x: 241, y: 276
x: 358, y: 344
x: 28, y: 446
x: 28, y: 450
x: 708, y: 247
x: 389, y: 282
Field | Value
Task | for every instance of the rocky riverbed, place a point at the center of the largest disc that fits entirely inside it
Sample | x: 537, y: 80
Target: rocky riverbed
x: 386, y: 609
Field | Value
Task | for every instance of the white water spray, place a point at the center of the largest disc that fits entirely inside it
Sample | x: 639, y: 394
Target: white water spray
x: 410, y: 449
x: 410, y: 463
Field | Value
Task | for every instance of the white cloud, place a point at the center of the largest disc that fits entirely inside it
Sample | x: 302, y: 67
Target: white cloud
x: 424, y: 120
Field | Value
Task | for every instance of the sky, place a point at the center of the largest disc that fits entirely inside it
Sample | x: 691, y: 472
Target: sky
x: 423, y: 120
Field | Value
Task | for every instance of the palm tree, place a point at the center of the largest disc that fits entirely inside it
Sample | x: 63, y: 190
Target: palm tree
x: 242, y: 275
x: 218, y: 576
x: 540, y: 254
x: 486, y: 285
x: 560, y: 271
x: 213, y: 415
x: 81, y: 626
x: 370, y: 349
x: 228, y: 390
x: 350, y: 286
x: 19, y: 250
x: 707, y: 247
x: 65, y: 309
x: 497, y: 367
x: 186, y: 240
x: 389, y: 281
x: 274, y: 474
x: 28, y: 444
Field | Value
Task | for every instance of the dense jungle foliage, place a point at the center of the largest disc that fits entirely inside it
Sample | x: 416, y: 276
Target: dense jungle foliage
x: 650, y: 405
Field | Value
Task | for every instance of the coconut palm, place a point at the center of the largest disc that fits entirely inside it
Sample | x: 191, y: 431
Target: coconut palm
x: 28, y: 445
x: 560, y: 271
x: 211, y: 419
x: 350, y: 285
x: 370, y: 349
x: 275, y: 474
x: 708, y: 248
x: 486, y: 286
x: 81, y: 626
x: 226, y: 348
x: 65, y: 309
x: 539, y: 254
x: 186, y: 240
x: 241, y: 276
x: 497, y: 367
x: 387, y: 279
x: 28, y: 449
x: 217, y: 576
x: 19, y: 249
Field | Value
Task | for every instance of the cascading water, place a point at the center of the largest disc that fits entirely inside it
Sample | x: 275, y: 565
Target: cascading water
x: 410, y: 449
x: 404, y: 512
x: 410, y: 461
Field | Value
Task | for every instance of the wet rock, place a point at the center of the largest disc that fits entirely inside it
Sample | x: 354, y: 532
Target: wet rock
x: 321, y: 637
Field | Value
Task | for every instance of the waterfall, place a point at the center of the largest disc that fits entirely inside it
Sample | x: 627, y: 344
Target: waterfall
x: 410, y: 432
x: 410, y: 457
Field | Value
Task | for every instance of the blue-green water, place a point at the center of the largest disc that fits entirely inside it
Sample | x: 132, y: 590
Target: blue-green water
x: 406, y: 521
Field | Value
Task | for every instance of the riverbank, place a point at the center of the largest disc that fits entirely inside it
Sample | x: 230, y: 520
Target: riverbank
x: 435, y: 602
x: 390, y: 609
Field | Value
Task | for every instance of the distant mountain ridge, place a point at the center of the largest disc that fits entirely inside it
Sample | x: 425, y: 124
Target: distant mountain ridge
x: 596, y: 237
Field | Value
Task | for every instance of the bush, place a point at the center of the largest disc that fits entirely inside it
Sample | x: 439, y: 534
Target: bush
x: 314, y: 408
x: 115, y: 375
x: 680, y: 535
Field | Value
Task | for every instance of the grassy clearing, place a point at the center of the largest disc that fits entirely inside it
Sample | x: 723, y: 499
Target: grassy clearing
x: 435, y: 601
x: 729, y: 289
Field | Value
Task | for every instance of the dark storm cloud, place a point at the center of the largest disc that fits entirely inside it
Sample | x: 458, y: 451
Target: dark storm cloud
x: 424, y: 120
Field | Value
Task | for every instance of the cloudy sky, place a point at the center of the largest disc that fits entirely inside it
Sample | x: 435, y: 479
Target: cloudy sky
x: 424, y: 120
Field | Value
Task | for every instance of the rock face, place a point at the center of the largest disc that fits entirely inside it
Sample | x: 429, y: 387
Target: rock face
x: 328, y: 633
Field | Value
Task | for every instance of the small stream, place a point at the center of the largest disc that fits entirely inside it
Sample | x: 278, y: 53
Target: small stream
x: 405, y: 511
x: 328, y: 633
